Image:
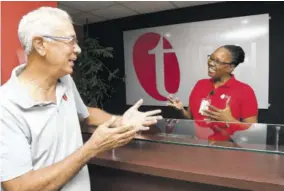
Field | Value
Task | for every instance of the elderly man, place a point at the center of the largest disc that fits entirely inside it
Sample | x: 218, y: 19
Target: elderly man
x: 41, y: 142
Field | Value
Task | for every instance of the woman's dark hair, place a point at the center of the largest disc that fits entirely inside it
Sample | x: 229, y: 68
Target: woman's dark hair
x: 238, y: 54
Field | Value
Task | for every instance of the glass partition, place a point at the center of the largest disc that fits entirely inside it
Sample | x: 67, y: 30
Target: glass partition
x: 240, y: 136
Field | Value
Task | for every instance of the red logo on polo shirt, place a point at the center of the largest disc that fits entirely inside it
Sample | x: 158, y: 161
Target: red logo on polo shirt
x: 65, y: 97
x: 156, y: 65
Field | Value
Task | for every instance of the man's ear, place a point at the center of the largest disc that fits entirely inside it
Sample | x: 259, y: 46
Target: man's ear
x: 39, y: 45
x: 22, y: 57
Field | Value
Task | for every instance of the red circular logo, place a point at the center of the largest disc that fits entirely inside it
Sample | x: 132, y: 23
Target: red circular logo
x: 156, y: 65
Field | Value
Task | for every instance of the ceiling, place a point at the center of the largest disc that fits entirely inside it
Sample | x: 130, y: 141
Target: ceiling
x: 96, y: 11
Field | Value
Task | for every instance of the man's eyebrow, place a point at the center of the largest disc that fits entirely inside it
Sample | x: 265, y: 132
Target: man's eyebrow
x: 72, y: 35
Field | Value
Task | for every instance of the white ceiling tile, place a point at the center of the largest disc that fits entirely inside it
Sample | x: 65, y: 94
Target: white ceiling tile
x: 125, y: 2
x: 149, y: 6
x: 69, y: 10
x: 81, y: 18
x: 191, y: 3
x: 114, y: 12
x: 88, y: 5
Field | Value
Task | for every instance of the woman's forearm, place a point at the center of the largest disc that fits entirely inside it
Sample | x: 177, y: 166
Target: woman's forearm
x: 186, y: 114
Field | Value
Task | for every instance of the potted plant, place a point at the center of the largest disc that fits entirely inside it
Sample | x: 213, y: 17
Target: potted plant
x: 92, y: 76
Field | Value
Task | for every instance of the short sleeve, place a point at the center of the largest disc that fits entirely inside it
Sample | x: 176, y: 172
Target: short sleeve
x: 193, y: 91
x: 249, y: 106
x: 192, y: 96
x: 82, y: 109
x: 15, y: 149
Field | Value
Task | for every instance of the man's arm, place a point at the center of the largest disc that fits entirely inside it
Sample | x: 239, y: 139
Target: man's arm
x: 17, y: 170
x: 141, y: 120
x: 97, y: 116
x: 89, y: 115
x: 52, y: 177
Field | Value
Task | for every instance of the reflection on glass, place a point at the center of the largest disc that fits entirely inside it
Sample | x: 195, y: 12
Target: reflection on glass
x: 240, y: 136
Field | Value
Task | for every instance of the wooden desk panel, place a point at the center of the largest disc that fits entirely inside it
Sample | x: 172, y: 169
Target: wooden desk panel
x: 110, y: 179
x: 236, y: 169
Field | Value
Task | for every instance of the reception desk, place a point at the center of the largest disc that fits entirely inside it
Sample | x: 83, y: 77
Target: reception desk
x: 159, y: 160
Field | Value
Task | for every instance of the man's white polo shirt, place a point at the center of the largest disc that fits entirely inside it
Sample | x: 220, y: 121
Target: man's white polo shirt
x: 35, y: 134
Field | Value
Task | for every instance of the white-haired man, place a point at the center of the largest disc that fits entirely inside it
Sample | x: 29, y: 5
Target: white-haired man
x: 41, y: 142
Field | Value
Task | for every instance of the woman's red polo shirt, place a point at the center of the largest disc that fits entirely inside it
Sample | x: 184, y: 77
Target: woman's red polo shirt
x: 243, y: 103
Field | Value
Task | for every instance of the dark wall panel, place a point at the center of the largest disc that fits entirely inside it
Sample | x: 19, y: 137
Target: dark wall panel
x: 110, y: 33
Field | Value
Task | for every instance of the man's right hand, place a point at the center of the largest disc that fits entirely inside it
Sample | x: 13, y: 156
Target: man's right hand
x: 105, y: 138
x: 175, y: 103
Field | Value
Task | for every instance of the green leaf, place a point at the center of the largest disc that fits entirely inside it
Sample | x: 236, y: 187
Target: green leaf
x: 92, y: 85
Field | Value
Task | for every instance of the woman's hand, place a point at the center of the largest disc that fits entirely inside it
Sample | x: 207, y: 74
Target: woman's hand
x: 175, y: 103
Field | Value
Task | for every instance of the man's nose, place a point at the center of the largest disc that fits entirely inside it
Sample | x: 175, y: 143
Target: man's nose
x: 77, y: 49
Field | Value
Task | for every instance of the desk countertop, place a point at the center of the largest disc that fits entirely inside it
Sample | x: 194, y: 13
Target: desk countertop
x: 232, y: 168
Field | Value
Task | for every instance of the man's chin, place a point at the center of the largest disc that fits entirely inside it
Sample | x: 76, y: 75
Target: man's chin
x: 69, y: 72
x: 65, y: 72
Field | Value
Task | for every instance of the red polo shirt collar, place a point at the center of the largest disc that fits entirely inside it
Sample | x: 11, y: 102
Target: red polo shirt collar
x: 229, y: 83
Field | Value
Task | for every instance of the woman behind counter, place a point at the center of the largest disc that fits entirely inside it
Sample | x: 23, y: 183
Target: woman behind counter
x: 221, y: 97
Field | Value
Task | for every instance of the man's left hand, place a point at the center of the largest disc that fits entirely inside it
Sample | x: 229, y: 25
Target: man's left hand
x: 141, y: 120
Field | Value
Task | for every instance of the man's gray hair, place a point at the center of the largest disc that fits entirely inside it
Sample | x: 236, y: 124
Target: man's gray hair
x: 42, y: 21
